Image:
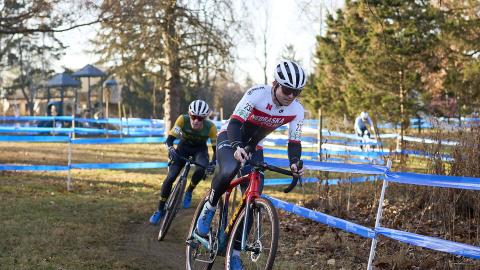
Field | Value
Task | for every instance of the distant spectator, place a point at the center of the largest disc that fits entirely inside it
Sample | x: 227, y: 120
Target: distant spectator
x: 54, y: 108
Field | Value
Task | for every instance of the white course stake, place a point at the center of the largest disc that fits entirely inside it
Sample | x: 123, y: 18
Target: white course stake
x: 69, y: 149
x: 378, y: 218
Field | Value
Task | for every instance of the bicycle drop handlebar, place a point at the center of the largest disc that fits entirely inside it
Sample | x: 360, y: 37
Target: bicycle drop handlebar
x: 191, y: 161
x: 264, y: 166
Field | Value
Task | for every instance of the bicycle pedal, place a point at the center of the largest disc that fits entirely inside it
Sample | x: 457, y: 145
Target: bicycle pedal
x: 192, y: 243
x: 204, y: 241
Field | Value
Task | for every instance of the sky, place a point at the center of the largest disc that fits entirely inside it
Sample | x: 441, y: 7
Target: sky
x: 288, y: 23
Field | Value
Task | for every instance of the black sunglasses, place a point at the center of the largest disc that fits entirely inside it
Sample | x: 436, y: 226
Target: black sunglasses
x: 288, y: 91
x: 198, y: 118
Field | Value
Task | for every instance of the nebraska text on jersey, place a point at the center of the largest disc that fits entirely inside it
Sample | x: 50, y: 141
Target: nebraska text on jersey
x: 265, y: 120
x: 257, y: 108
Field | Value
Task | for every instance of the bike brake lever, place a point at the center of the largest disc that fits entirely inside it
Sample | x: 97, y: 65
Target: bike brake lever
x: 295, y: 178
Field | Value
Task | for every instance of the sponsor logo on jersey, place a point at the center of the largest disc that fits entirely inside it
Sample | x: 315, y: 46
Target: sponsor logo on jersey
x: 254, y: 89
x: 177, y: 130
x: 244, y: 111
x: 269, y: 106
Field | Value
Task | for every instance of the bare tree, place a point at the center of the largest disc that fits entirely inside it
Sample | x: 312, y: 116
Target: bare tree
x: 36, y: 16
x: 190, y: 41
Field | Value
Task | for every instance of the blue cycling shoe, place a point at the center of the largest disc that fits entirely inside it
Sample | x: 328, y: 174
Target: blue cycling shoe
x: 187, y: 199
x: 155, y: 218
x: 236, y: 263
x: 205, y: 219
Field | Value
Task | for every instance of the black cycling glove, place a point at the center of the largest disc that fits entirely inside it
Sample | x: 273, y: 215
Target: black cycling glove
x: 172, y: 153
x: 211, y: 167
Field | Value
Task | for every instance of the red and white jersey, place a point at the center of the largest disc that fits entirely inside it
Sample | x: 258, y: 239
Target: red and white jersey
x: 260, y: 116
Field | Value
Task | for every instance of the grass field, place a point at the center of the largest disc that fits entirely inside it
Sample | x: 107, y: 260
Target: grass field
x: 46, y: 227
x: 102, y: 222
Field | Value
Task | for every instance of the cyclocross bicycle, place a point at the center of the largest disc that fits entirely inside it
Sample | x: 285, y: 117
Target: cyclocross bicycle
x: 253, y: 227
x: 176, y: 197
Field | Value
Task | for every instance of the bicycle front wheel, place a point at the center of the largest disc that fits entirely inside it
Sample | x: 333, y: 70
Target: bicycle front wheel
x: 171, y: 207
x: 261, y: 237
x: 199, y: 257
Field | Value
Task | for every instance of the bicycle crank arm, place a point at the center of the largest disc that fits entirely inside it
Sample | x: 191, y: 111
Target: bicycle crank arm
x: 202, y: 240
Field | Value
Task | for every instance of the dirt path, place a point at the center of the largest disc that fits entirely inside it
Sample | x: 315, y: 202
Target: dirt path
x: 141, y: 249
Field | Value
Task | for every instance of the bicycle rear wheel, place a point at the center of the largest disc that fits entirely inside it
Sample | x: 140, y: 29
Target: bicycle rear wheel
x: 197, y: 255
x: 261, y: 240
x: 171, y: 207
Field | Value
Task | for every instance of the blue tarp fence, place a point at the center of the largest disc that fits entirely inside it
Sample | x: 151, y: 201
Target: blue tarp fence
x: 433, y: 243
x: 429, y: 242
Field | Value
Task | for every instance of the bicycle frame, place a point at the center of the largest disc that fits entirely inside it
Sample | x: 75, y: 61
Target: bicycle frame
x: 221, y: 232
x: 175, y: 197
x: 186, y: 170
x: 252, y: 192
x: 183, y: 176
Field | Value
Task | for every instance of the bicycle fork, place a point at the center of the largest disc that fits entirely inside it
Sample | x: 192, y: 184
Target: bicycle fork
x: 245, y: 225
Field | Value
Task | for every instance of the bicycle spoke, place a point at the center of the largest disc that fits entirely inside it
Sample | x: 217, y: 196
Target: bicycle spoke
x: 198, y: 255
x: 261, y: 238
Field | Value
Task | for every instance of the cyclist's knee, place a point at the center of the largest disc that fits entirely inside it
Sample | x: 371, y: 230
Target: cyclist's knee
x: 227, y: 172
x: 198, y: 174
x: 203, y: 162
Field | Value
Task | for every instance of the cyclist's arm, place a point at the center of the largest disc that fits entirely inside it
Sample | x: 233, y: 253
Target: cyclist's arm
x: 175, y: 132
x: 240, y: 115
x: 357, y: 125
x: 212, y: 134
x: 233, y: 132
x: 370, y: 123
x: 294, y: 138
x: 169, y: 141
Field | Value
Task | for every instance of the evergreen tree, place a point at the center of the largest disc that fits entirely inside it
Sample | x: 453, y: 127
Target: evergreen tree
x: 374, y: 57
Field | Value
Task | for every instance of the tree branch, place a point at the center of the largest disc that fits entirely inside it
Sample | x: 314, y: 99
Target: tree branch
x: 12, y: 31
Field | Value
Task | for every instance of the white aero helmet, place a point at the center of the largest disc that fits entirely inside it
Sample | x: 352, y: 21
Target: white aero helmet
x: 290, y: 74
x: 199, y: 108
x: 364, y: 115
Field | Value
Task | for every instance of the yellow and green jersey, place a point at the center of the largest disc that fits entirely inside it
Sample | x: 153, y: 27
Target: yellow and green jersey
x: 183, y: 130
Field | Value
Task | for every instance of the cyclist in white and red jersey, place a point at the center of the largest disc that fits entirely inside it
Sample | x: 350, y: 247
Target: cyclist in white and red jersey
x: 262, y: 109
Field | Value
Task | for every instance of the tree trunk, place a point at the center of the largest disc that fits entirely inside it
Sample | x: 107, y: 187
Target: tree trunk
x: 173, y: 90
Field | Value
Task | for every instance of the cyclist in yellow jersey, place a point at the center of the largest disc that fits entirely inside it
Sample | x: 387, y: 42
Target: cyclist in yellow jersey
x: 193, y: 130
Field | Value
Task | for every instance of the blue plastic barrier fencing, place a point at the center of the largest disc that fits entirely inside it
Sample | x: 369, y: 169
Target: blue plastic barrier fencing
x: 322, y: 218
x: 429, y: 141
x: 83, y: 131
x: 424, y: 154
x: 34, y: 138
x: 287, y: 181
x: 35, y: 130
x: 431, y: 243
x: 35, y: 118
x: 345, y: 142
x: 127, y: 165
x: 372, y: 154
x: 332, y: 167
x: 119, y: 140
x: 7, y: 167
x: 325, y: 151
x: 460, y: 182
x: 83, y: 140
x: 111, y: 121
